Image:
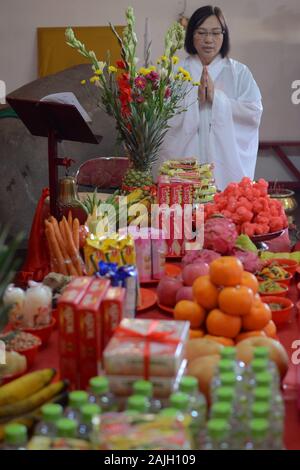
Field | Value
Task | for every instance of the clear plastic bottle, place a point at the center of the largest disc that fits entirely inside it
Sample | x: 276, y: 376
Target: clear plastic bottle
x: 67, y: 428
x: 101, y: 395
x: 223, y: 379
x: 145, y: 388
x: 259, y: 435
x: 277, y: 420
x: 224, y: 366
x: 262, y: 352
x: 181, y: 402
x: 51, y: 413
x: 88, y: 413
x: 189, y: 385
x: 218, y: 435
x: 77, y: 399
x: 256, y: 366
x: 138, y: 404
x: 15, y: 437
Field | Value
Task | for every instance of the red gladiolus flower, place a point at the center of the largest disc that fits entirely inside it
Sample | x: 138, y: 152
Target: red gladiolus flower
x: 168, y: 92
x: 153, y: 76
x: 140, y: 99
x: 121, y: 64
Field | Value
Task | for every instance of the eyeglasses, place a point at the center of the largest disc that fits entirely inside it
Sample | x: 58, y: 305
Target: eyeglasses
x: 201, y: 34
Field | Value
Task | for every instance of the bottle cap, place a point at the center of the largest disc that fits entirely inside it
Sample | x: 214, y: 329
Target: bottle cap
x: 226, y: 365
x: 88, y: 411
x: 263, y: 379
x: 262, y: 394
x: 259, y: 428
x: 52, y: 412
x: 228, y: 352
x: 225, y: 394
x: 188, y: 384
x: 180, y: 401
x: 15, y: 434
x: 217, y: 428
x: 138, y: 403
x: 260, y: 410
x: 221, y: 410
x: 66, y: 427
x: 78, y: 398
x: 169, y: 412
x: 261, y: 352
x: 99, y: 385
x: 259, y: 365
x: 143, y: 387
x: 227, y: 379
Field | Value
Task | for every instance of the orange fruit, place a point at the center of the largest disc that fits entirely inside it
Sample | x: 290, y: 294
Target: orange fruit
x: 249, y: 280
x: 205, y: 292
x: 271, y: 329
x: 236, y: 300
x: 221, y: 340
x: 187, y: 310
x: 259, y: 316
x: 219, y: 323
x: 249, y: 334
x: 196, y: 333
x: 226, y: 271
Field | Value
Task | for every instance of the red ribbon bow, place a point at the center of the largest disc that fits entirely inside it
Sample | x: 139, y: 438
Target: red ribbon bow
x: 151, y: 336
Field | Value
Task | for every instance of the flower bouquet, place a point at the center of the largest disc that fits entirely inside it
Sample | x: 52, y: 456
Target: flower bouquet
x: 141, y: 100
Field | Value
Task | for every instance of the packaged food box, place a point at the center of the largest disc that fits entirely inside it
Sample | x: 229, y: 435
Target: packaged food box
x: 57, y: 443
x: 68, y: 328
x: 89, y: 320
x: 146, y: 348
x: 121, y: 431
x: 122, y: 385
x: 112, y: 312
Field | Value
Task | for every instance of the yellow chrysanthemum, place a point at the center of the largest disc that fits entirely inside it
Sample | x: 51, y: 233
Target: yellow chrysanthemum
x: 175, y: 59
x: 83, y: 82
x: 164, y: 58
x: 181, y: 70
x: 152, y: 68
x: 177, y: 77
x: 143, y: 71
x: 99, y: 72
x: 94, y: 79
x: 112, y: 69
x: 196, y: 83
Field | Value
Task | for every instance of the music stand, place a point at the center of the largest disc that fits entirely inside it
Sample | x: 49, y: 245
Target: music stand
x: 57, y: 122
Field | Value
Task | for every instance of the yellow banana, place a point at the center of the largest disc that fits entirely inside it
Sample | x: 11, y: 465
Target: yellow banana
x: 25, y: 386
x: 34, y: 401
x: 135, y: 196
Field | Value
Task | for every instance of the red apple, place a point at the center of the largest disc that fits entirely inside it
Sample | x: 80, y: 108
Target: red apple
x: 167, y: 290
x: 192, y: 271
x: 184, y: 293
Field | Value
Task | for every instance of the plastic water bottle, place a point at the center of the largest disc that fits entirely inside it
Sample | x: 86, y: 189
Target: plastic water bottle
x: 181, y: 402
x: 259, y: 435
x: 15, y: 437
x: 77, y: 399
x: 51, y: 413
x: 66, y: 428
x: 88, y: 412
x: 217, y: 435
x: 189, y: 385
x: 145, y: 388
x: 277, y: 421
x: 224, y: 366
x: 138, y: 404
x: 101, y: 395
x: 262, y: 352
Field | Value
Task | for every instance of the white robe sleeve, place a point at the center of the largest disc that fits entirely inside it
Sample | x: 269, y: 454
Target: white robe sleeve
x: 234, y: 127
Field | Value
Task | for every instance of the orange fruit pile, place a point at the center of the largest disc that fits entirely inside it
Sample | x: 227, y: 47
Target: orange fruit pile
x: 226, y: 306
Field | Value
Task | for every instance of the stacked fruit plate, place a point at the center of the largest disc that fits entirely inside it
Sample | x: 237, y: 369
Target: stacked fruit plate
x: 225, y: 304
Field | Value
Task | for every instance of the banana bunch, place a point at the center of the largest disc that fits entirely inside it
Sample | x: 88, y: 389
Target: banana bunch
x: 22, y: 398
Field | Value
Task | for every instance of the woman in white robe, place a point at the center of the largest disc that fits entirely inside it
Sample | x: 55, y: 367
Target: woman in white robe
x: 221, y: 124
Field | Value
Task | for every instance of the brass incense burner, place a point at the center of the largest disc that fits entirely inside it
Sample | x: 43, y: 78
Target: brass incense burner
x: 288, y: 201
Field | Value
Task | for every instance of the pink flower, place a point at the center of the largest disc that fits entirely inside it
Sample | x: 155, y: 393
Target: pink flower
x: 140, y: 99
x: 140, y: 82
x: 153, y: 76
x: 168, y: 93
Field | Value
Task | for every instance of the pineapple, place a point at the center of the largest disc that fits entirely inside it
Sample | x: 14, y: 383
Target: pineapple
x: 138, y: 178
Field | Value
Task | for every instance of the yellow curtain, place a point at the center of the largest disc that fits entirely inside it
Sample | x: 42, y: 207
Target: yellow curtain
x: 54, y: 55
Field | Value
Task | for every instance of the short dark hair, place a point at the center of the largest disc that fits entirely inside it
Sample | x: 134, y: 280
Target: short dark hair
x: 196, y: 20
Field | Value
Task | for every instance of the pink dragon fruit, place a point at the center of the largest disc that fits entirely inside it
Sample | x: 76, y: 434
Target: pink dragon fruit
x: 250, y: 260
x: 199, y: 256
x: 220, y: 234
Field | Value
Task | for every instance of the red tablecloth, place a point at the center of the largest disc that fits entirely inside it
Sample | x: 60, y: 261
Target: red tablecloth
x: 290, y: 332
